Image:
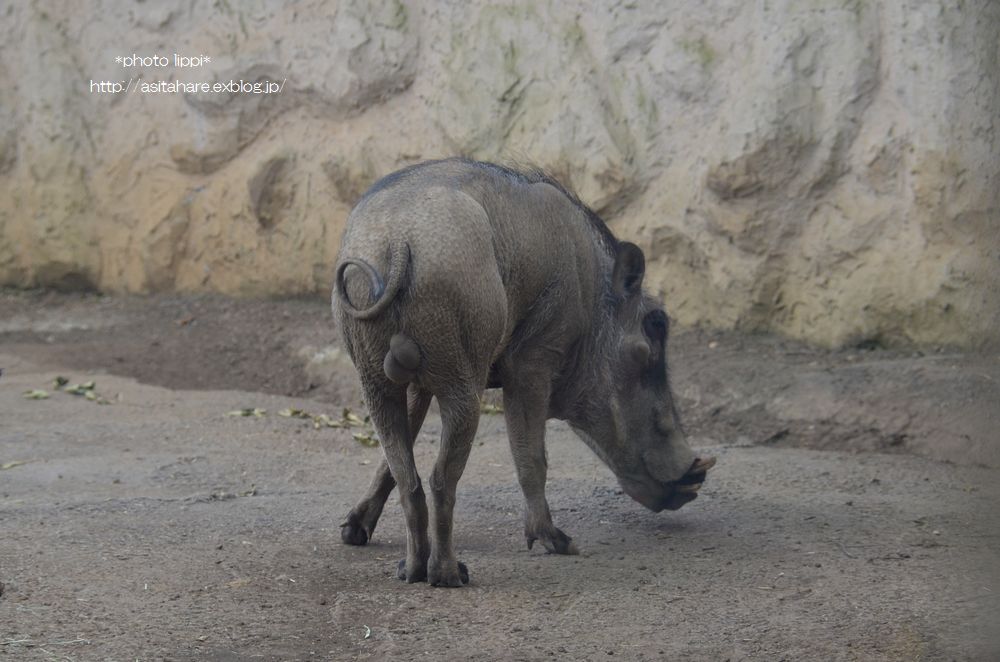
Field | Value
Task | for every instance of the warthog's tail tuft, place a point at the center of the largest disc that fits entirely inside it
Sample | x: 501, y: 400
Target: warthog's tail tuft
x: 402, y: 359
x: 381, y: 293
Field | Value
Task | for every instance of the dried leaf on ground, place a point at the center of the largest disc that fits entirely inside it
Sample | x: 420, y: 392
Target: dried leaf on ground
x: 352, y: 419
x: 81, y: 389
x: 249, y: 411
x: 36, y: 394
x: 322, y: 420
x: 366, y: 438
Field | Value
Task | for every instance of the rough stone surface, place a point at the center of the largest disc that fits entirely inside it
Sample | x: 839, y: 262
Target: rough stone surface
x: 827, y: 170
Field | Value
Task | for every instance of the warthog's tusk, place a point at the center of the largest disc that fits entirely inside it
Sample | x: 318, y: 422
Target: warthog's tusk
x: 701, y: 465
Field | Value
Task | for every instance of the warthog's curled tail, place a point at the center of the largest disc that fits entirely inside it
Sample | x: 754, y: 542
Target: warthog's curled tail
x: 403, y: 358
x: 382, y: 293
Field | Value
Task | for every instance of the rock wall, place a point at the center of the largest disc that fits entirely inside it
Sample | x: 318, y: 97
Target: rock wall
x: 827, y: 169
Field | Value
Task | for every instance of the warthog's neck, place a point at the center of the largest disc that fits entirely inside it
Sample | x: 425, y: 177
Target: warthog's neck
x: 583, y: 393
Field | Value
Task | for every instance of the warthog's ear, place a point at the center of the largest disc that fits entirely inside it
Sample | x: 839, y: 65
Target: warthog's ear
x: 630, y: 265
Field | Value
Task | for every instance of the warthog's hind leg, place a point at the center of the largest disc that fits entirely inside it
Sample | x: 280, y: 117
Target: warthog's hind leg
x: 459, y: 418
x: 387, y: 404
x: 359, y: 526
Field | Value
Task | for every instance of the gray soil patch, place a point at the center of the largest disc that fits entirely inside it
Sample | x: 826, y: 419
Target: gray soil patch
x: 157, y: 527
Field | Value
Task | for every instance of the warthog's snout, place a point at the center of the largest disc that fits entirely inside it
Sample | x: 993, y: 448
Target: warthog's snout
x: 659, y: 496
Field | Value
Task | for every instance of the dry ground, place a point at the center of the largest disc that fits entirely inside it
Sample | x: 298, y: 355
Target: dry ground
x: 853, y: 514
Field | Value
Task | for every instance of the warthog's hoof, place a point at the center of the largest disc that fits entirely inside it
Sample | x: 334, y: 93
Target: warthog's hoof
x: 553, y: 539
x: 451, y: 577
x: 420, y: 575
x: 352, y: 533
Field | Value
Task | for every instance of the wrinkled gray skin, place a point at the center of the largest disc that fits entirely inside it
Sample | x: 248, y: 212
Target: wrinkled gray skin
x: 455, y: 276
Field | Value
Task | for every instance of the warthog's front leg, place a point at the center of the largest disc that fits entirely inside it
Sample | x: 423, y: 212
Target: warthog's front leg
x: 359, y: 526
x: 525, y: 403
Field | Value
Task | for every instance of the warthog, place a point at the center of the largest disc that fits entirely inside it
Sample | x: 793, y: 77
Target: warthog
x: 455, y: 276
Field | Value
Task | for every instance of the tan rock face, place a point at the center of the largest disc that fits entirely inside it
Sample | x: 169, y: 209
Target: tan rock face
x: 828, y: 170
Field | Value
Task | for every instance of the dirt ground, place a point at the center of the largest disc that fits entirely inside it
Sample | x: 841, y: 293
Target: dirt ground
x: 852, y: 516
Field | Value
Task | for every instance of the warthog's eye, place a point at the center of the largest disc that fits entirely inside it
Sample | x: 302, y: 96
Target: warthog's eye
x: 656, y: 326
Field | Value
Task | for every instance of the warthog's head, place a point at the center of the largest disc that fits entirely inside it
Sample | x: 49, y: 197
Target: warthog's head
x: 631, y: 420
